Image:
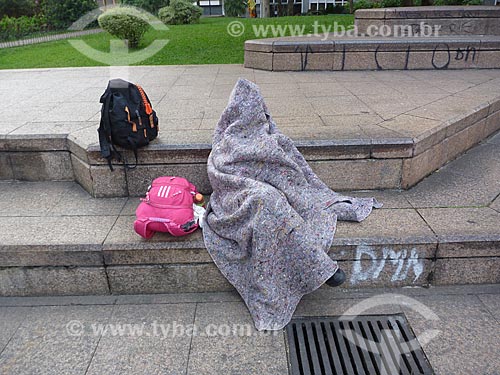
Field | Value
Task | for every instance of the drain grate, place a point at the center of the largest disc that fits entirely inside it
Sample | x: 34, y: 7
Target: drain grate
x: 370, y: 344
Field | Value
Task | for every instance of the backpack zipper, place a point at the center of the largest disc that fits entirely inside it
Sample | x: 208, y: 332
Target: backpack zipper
x: 172, y: 184
x: 147, y: 106
x: 138, y: 117
x: 148, y: 201
x: 134, y: 125
x: 140, y: 123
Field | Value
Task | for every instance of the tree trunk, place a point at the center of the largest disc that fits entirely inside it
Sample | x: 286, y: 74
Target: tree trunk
x: 279, y: 7
x: 289, y: 8
x: 351, y: 6
x: 266, y: 8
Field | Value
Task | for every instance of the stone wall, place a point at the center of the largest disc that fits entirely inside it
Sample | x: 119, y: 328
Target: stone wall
x: 411, y: 21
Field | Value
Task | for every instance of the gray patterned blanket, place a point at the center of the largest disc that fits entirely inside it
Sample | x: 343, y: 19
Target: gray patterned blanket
x: 270, y: 221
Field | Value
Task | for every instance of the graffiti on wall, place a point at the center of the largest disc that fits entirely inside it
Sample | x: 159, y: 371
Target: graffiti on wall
x: 440, y: 56
x: 369, y: 264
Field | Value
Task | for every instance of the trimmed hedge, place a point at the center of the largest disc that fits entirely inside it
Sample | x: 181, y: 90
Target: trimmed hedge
x: 180, y: 12
x: 126, y: 23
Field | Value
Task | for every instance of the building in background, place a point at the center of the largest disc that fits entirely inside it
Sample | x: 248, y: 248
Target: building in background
x: 211, y: 7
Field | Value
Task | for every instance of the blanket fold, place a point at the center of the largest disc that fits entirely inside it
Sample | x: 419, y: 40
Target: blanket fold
x: 270, y: 221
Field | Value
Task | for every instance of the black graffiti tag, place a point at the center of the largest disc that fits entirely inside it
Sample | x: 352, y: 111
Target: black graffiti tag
x: 464, y: 54
x: 304, y: 53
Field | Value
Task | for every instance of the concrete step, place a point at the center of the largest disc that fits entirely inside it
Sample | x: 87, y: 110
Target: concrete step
x: 358, y: 130
x: 331, y: 53
x: 448, y: 20
x: 57, y: 240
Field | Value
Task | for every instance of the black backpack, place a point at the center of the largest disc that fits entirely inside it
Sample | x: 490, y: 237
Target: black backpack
x: 127, y: 120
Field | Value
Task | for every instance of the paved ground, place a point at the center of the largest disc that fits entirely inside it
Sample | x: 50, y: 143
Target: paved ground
x: 189, y: 100
x: 463, y: 196
x: 64, y: 335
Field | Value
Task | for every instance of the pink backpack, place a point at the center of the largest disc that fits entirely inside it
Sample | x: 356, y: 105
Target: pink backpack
x: 168, y: 207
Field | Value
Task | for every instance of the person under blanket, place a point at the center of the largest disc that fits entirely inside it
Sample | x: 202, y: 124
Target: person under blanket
x: 270, y: 221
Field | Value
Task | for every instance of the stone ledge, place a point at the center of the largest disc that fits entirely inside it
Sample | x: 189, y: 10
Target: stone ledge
x: 384, y: 119
x: 46, y: 281
x: 393, y: 247
x: 449, y: 271
x: 369, y: 53
x: 93, y: 239
x: 317, y: 44
x: 449, y: 11
x: 389, y: 162
x: 40, y: 256
x: 139, y: 270
x: 33, y: 142
x: 451, y: 20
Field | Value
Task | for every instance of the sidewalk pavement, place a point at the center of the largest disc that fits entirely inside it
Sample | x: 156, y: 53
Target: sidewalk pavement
x: 58, y: 335
x: 361, y: 106
x: 384, y: 129
x: 35, y: 337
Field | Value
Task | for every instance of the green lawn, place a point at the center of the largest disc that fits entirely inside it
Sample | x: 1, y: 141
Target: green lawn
x: 205, y: 43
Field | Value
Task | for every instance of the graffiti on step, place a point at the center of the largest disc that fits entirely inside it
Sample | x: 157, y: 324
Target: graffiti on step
x: 304, y: 53
x: 459, y: 54
x: 443, y: 16
x: 369, y: 264
x: 441, y: 57
x: 463, y: 27
x: 464, y: 54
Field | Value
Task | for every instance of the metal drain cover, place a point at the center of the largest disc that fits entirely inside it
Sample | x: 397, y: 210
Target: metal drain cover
x: 369, y: 344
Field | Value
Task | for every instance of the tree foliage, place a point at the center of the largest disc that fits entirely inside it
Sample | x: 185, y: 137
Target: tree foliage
x: 60, y: 14
x: 126, y: 23
x: 151, y: 6
x: 180, y: 12
x: 235, y: 8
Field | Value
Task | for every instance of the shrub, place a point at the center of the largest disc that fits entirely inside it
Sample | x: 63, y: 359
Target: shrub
x: 390, y: 3
x: 16, y: 28
x: 151, y: 6
x: 61, y: 14
x: 126, y: 23
x: 363, y: 4
x: 336, y: 9
x: 16, y: 8
x: 235, y: 8
x: 7, y: 28
x: 180, y: 12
